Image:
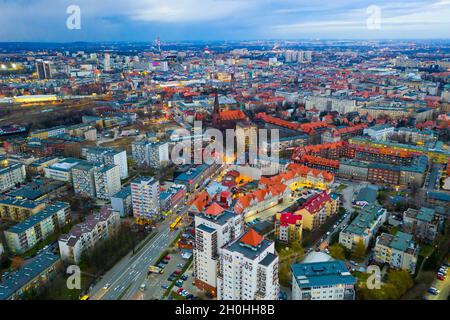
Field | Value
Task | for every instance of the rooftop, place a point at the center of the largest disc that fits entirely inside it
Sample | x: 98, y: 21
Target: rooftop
x: 321, y: 274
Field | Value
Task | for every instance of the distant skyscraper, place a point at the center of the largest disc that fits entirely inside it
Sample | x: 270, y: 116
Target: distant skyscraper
x: 107, y: 62
x: 43, y: 69
x: 158, y: 44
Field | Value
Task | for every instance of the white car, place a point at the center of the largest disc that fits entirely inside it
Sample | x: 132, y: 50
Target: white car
x: 106, y: 287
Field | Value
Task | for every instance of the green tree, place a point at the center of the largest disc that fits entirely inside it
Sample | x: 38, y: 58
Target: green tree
x: 359, y: 251
x: 337, y: 251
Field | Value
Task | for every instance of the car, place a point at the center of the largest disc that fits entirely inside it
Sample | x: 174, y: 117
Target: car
x: 184, y: 277
x: 106, y: 287
x: 177, y: 272
x: 179, y: 284
x: 171, y: 278
x: 167, y: 257
x: 440, y: 277
x: 165, y: 286
x: 180, y: 290
x: 190, y: 296
x: 328, y: 233
x: 433, y: 291
x: 165, y: 261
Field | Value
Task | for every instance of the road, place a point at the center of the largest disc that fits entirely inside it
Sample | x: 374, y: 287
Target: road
x: 433, y: 177
x: 127, y: 276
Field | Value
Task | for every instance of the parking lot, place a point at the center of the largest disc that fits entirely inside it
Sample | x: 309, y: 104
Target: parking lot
x: 442, y: 286
x: 157, y: 284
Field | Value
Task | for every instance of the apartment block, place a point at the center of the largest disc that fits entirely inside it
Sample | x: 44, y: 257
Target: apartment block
x: 214, y: 228
x: 38, y: 227
x: 288, y: 227
x: 14, y: 209
x: 84, y: 236
x: 83, y: 179
x: 61, y: 170
x: 145, y: 198
x: 423, y: 223
x: 317, y: 209
x: 399, y: 251
x: 37, y: 272
x: 108, y: 156
x: 122, y: 203
x: 363, y: 227
x: 329, y: 280
x: 107, y: 181
x: 11, y: 173
x: 248, y: 269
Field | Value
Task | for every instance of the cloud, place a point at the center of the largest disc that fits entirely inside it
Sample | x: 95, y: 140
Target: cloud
x: 395, y: 16
x: 132, y: 20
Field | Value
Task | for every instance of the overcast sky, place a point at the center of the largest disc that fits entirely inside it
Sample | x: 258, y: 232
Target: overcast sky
x: 144, y: 20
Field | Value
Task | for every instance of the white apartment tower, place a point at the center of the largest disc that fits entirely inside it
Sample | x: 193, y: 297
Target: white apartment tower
x: 214, y: 228
x: 248, y: 269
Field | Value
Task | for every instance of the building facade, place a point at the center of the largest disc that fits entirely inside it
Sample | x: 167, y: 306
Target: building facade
x: 248, y: 269
x: 145, y: 196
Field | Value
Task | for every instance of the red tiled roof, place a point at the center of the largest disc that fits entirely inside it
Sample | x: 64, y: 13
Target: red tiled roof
x: 276, y: 121
x: 314, y: 203
x: 201, y: 200
x: 289, y: 218
x: 320, y: 161
x: 229, y: 115
x: 214, y: 209
x: 252, y: 238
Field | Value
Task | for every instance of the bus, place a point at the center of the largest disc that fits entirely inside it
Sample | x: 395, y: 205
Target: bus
x: 155, y: 269
x: 175, y: 223
x: 85, y: 297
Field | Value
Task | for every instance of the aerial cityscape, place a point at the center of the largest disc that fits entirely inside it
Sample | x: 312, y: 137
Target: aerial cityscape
x: 253, y: 163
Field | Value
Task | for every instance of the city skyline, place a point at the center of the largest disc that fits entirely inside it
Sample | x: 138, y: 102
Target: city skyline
x: 207, y: 20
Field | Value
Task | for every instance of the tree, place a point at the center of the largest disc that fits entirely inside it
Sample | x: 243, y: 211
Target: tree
x: 359, y: 251
x: 337, y: 251
x: 17, y: 262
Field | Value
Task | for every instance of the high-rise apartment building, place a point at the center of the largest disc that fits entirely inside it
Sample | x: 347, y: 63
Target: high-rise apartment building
x: 214, y: 228
x: 145, y: 198
x: 43, y: 69
x: 248, y: 269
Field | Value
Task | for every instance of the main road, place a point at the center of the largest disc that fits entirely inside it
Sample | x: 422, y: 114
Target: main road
x: 125, y: 278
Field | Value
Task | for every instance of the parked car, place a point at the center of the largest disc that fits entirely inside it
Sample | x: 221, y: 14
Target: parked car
x: 165, y: 286
x: 440, y: 277
x: 433, y: 291
x: 179, y: 283
x: 184, y: 277
x: 177, y: 272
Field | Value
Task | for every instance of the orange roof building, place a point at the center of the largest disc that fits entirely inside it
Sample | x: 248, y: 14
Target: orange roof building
x: 214, y: 209
x: 200, y: 202
x: 252, y: 238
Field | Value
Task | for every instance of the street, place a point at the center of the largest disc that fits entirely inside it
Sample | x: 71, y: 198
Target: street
x: 123, y: 281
